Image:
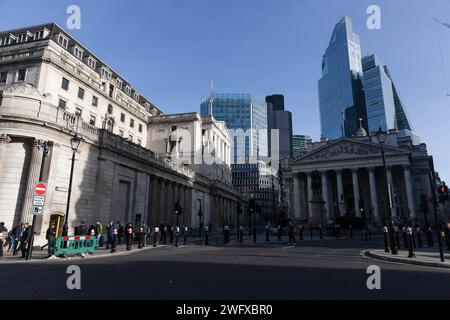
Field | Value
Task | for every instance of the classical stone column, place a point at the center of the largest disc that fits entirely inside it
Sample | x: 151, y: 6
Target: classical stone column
x: 373, y: 195
x: 340, y: 193
x: 297, y: 196
x: 161, y: 201
x: 356, y: 192
x: 409, y: 192
x: 325, y: 196
x: 310, y: 194
x: 4, y: 140
x: 153, y: 221
x: 187, y: 216
x: 33, y: 177
x: 390, y: 182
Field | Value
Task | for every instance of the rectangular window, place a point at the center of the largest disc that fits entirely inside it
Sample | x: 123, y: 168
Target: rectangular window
x: 140, y: 127
x: 78, y: 52
x: 62, y: 104
x: 21, y: 75
x: 38, y: 35
x: 105, y: 73
x: 111, y: 90
x: 94, y: 101
x: 110, y: 108
x: 4, y: 41
x: 3, y: 77
x: 92, y: 63
x: 92, y: 120
x: 122, y: 117
x: 63, y: 41
x: 81, y: 93
x: 65, y: 84
x: 127, y: 90
x: 132, y: 123
x: 119, y: 83
x: 22, y: 38
x: 78, y: 112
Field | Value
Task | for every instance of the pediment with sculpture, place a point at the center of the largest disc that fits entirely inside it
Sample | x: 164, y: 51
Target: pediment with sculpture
x: 347, y: 149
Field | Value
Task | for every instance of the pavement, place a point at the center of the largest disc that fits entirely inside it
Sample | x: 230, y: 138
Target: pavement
x: 321, y: 269
x: 429, y: 257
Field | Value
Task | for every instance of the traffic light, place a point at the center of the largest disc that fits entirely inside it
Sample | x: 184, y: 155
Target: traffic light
x: 443, y: 193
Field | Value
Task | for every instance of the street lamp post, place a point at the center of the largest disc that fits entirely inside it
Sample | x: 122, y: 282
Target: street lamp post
x: 200, y: 214
x: 75, y: 142
x: 438, y: 225
x: 381, y: 137
x: 33, y: 224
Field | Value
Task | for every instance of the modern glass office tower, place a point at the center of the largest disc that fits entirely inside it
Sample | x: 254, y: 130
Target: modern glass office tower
x: 240, y: 111
x: 281, y: 120
x: 379, y: 95
x: 341, y: 97
x: 384, y: 107
x: 299, y: 143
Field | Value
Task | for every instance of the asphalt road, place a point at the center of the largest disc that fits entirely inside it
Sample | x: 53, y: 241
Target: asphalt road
x: 311, y: 270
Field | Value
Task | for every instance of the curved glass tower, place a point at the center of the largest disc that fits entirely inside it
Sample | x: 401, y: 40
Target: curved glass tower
x: 341, y: 97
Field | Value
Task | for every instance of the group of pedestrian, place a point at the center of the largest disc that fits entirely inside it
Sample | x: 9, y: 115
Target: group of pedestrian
x: 18, y: 238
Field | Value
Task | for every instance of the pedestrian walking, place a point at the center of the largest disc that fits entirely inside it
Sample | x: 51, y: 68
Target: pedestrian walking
x: 291, y: 233
x: 120, y: 232
x: 18, y: 236
x: 25, y: 239
x: 99, y: 233
x: 3, y: 234
x: 109, y: 234
x: 51, y: 236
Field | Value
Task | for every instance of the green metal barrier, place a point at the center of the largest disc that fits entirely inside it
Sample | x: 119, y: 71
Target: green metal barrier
x: 73, y: 245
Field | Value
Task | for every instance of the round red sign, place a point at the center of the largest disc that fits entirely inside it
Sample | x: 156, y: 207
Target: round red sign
x: 40, y: 189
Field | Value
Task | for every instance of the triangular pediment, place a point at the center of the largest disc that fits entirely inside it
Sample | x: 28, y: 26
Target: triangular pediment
x: 348, y: 149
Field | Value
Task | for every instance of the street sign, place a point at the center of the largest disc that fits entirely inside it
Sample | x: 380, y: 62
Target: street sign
x: 37, y: 210
x: 40, y: 188
x: 38, y: 201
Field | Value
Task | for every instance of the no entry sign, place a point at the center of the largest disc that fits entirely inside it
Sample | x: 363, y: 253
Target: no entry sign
x: 40, y: 188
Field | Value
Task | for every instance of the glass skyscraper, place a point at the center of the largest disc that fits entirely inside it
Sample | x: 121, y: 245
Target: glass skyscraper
x: 379, y: 95
x: 341, y: 97
x: 240, y: 111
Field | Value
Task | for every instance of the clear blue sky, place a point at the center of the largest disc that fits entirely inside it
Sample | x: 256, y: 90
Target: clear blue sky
x: 170, y: 50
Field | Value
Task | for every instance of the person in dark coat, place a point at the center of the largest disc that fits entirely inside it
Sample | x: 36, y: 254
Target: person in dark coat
x: 82, y: 230
x: 65, y: 230
x: 109, y: 234
x: 51, y: 236
x: 25, y: 239
x: 120, y: 231
x: 291, y: 233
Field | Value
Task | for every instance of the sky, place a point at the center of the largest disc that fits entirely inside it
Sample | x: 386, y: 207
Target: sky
x: 170, y: 50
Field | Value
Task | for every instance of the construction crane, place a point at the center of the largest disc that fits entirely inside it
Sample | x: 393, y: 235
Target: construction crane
x: 442, y: 56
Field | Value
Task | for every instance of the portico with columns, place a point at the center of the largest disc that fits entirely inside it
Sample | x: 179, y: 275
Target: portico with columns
x: 353, y: 183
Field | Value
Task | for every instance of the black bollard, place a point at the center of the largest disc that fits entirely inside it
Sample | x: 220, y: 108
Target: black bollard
x: 301, y: 232
x: 172, y: 231
x: 320, y: 232
x: 430, y: 237
x: 410, y: 243
x: 241, y: 234
x: 129, y: 237
x: 267, y: 233
x: 419, y: 238
x: 176, y: 230
x: 279, y: 233
x: 397, y: 238
x: 350, y: 230
x: 155, y: 237
x: 141, y: 238
x: 386, y: 245
x: 206, y: 236
x: 164, y: 235
x: 185, y: 235
x: 114, y: 241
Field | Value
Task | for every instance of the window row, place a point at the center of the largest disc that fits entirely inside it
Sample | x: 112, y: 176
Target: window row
x: 19, y: 76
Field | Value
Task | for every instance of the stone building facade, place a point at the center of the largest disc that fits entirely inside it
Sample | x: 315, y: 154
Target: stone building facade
x: 352, y: 183
x: 51, y: 88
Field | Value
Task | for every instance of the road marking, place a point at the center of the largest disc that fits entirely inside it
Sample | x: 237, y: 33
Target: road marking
x: 290, y: 247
